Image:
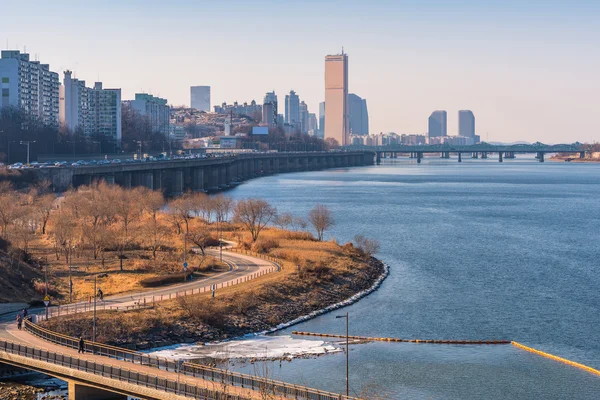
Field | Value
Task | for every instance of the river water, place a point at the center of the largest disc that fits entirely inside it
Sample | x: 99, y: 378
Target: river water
x: 477, y: 250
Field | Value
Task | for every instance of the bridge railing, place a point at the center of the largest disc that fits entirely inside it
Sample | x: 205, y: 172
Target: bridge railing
x: 110, y: 371
x: 220, y: 376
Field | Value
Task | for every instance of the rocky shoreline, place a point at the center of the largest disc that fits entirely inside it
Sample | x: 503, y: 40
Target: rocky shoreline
x: 292, y: 313
x: 263, y: 319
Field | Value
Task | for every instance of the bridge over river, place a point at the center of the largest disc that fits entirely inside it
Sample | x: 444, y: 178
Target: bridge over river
x: 482, y: 150
x: 202, y: 174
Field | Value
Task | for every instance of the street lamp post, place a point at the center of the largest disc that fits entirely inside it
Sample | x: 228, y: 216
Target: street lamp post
x: 27, y: 143
x: 94, y: 322
x: 347, y: 354
x: 46, y: 285
x: 184, y: 256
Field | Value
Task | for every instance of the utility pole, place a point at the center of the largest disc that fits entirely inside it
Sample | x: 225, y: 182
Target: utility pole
x: 27, y: 143
x: 347, y: 354
x: 94, y: 323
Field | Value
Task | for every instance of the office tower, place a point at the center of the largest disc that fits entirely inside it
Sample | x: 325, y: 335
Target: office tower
x: 303, y: 117
x: 156, y: 109
x: 438, y: 123
x: 322, y: 119
x: 292, y: 109
x: 91, y: 111
x: 269, y: 111
x: 312, y: 123
x: 466, y: 123
x: 358, y: 115
x: 200, y: 98
x: 336, y: 98
x: 29, y: 86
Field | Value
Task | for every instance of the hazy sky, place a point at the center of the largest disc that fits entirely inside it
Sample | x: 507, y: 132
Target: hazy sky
x: 529, y: 70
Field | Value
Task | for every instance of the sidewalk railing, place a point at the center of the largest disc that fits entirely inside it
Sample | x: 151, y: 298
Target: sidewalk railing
x: 212, y: 374
x: 141, y: 300
x: 110, y: 371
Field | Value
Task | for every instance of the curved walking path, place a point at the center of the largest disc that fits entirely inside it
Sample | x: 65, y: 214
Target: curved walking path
x: 242, y: 268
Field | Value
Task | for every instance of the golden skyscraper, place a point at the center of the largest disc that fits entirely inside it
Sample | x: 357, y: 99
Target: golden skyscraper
x: 336, y: 98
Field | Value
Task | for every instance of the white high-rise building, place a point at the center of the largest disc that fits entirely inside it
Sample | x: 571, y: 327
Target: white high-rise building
x: 29, y: 85
x: 155, y: 108
x: 200, y: 98
x: 92, y: 111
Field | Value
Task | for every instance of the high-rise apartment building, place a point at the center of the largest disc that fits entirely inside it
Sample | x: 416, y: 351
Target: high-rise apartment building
x: 336, y: 98
x: 200, y: 98
x: 466, y: 123
x: 322, y: 119
x: 358, y: 115
x: 303, y: 117
x: 269, y: 110
x: 438, y: 124
x: 29, y: 85
x: 93, y: 111
x: 156, y: 109
x: 292, y: 109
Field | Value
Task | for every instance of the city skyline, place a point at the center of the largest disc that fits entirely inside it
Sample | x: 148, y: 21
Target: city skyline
x: 528, y: 73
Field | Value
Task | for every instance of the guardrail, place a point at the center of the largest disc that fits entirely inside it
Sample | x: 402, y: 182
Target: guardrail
x: 142, y: 301
x: 110, y: 371
x: 218, y: 375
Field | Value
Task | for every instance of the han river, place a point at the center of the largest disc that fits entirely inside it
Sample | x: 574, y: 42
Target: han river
x: 478, y: 250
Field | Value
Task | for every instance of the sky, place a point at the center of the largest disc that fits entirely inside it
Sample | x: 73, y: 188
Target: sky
x: 529, y: 70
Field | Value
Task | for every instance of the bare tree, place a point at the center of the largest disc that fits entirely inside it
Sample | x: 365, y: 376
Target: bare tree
x: 9, y: 202
x: 366, y: 246
x: 321, y: 219
x: 284, y: 220
x: 200, y: 237
x: 222, y: 206
x: 64, y: 234
x: 43, y: 206
x: 128, y: 210
x: 182, y: 211
x: 153, y: 230
x: 254, y: 214
x: 299, y: 224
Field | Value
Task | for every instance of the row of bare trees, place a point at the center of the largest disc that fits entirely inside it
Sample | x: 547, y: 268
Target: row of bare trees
x: 102, y: 217
x: 23, y: 213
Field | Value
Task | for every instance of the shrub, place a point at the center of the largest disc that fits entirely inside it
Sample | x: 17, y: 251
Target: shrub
x: 163, y: 280
x: 263, y: 246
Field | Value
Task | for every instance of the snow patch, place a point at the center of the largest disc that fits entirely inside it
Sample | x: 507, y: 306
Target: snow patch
x: 259, y: 347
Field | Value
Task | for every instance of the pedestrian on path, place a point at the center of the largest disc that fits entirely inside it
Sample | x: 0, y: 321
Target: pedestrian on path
x: 19, y: 321
x: 81, y: 345
x: 100, y: 294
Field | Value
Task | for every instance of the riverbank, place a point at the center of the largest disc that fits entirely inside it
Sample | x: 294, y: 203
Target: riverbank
x: 315, y: 276
x: 574, y: 158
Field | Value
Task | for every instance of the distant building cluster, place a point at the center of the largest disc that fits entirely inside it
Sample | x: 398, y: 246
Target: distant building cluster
x: 438, y: 128
x: 387, y: 139
x: 252, y: 110
x: 96, y: 111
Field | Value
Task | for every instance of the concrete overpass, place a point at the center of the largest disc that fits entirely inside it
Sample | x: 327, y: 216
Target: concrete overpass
x: 474, y: 151
x: 202, y: 175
